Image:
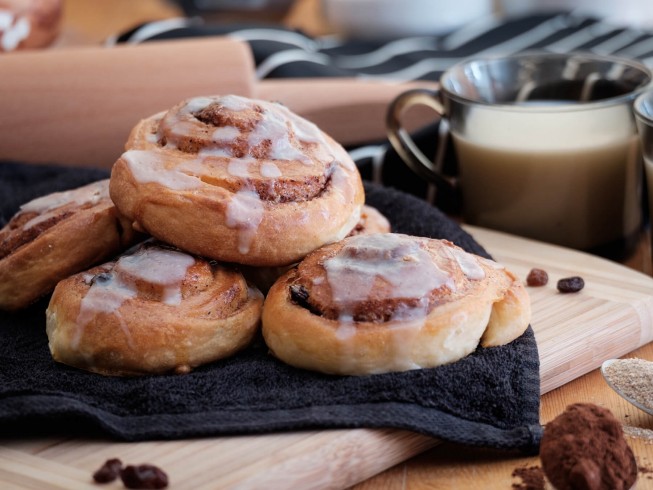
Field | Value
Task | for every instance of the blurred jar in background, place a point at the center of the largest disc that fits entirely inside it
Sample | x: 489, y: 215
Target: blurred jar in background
x: 29, y: 24
x: 379, y: 19
x: 627, y: 13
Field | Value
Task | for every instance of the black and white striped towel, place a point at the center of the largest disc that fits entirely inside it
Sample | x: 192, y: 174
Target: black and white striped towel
x: 284, y: 53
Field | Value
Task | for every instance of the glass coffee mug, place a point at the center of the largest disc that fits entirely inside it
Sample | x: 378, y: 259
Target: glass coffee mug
x: 644, y: 114
x: 546, y: 146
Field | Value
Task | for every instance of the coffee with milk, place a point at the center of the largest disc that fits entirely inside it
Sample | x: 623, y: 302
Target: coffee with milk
x: 546, y: 146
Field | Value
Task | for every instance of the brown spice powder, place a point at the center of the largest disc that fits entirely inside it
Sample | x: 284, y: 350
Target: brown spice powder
x: 584, y: 447
x: 532, y: 478
x: 634, y: 378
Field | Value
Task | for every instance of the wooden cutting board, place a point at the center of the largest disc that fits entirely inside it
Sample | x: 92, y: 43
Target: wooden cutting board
x: 612, y: 316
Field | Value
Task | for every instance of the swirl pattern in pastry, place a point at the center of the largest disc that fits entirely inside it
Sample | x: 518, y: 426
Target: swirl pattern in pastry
x: 154, y: 310
x: 389, y: 302
x: 237, y: 180
x: 57, y: 235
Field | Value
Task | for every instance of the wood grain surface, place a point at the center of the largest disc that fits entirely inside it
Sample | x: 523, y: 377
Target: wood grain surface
x: 610, y: 317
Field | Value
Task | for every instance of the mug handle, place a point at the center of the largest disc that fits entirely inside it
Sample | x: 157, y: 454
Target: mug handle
x: 404, y: 144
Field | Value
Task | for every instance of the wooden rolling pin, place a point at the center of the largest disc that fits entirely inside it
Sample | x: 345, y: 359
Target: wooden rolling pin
x: 76, y: 106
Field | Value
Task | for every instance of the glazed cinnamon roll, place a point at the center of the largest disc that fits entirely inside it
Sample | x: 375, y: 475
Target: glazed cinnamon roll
x: 389, y: 302
x: 154, y: 310
x: 237, y: 180
x: 55, y: 236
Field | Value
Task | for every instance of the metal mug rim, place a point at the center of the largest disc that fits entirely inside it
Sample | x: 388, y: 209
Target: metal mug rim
x: 572, y: 106
x: 644, y: 116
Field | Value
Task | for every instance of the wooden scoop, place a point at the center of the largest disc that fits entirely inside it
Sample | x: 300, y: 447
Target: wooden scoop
x: 76, y: 106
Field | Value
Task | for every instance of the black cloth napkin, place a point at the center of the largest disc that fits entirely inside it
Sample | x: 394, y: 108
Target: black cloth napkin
x: 490, y: 398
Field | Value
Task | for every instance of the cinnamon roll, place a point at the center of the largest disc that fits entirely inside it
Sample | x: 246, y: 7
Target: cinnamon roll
x: 237, y: 180
x: 370, y: 221
x: 154, y: 310
x: 389, y: 302
x: 55, y: 236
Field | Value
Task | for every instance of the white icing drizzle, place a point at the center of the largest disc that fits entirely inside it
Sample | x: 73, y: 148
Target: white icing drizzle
x: 281, y: 129
x: 399, y: 262
x: 275, y: 128
x: 226, y: 133
x: 151, y: 138
x: 103, y: 298
x: 350, y: 223
x: 146, y: 166
x: 254, y: 293
x: 468, y: 264
x: 196, y: 104
x: 164, y: 268
x: 47, y: 206
x: 346, y: 329
x: 406, y: 313
x: 305, y: 130
x: 270, y: 170
x: 245, y: 213
x: 239, y: 167
x: 339, y: 180
x: 214, y: 152
x: 91, y: 193
x: 13, y: 31
x: 406, y: 270
x: 6, y: 19
x: 342, y: 158
x: 235, y: 103
x: 276, y: 125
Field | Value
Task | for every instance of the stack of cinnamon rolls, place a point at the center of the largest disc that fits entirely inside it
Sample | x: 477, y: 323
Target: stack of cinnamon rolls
x: 225, y: 215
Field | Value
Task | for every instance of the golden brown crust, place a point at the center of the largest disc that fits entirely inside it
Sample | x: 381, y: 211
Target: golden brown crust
x: 237, y: 180
x: 389, y: 302
x: 155, y: 310
x: 371, y: 221
x: 55, y: 236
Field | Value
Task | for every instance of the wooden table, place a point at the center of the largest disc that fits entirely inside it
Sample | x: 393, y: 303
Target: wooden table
x: 447, y: 465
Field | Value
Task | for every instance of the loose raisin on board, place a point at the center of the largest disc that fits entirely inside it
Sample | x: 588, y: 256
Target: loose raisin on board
x: 537, y: 277
x: 143, y: 476
x: 571, y: 284
x: 109, y: 471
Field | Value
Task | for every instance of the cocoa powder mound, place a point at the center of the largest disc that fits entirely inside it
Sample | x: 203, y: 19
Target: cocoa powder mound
x: 584, y: 449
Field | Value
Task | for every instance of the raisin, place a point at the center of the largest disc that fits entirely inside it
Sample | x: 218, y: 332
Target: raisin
x: 109, y: 471
x: 101, y: 278
x: 571, y: 284
x: 537, y: 277
x: 143, y: 476
x: 299, y: 294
